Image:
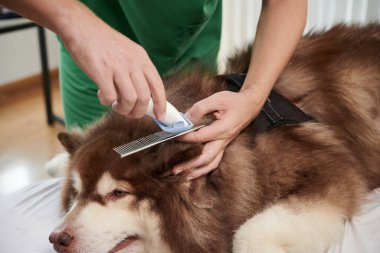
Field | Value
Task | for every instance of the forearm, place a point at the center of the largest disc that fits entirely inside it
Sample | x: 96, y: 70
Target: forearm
x: 280, y: 27
x: 60, y: 16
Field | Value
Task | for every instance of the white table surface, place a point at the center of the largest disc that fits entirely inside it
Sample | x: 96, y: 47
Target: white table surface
x: 29, y: 215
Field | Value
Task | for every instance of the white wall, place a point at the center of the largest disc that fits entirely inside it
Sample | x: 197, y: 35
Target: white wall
x: 240, y: 19
x: 19, y: 53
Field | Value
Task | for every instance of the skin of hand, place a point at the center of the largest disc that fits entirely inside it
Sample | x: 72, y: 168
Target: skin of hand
x: 121, y: 68
x: 232, y: 112
x: 280, y: 27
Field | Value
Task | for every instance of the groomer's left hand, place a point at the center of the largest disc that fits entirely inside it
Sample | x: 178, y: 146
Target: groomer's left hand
x: 232, y: 112
x: 280, y: 27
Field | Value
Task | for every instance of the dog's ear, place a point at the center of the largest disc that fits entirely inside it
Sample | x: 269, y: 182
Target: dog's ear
x: 176, y: 154
x: 185, y: 152
x: 70, y: 141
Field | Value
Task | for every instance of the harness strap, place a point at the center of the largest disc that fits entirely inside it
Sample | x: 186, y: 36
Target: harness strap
x: 277, y: 110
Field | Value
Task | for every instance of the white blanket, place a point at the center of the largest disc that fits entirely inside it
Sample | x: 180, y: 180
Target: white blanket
x: 29, y: 215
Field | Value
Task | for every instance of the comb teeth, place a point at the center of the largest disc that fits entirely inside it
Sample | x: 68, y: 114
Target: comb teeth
x: 148, y: 141
x: 144, y: 142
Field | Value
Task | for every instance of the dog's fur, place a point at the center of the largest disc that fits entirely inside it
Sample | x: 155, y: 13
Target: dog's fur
x: 287, y: 190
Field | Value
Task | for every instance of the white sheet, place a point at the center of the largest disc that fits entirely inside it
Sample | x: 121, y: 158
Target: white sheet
x: 29, y: 215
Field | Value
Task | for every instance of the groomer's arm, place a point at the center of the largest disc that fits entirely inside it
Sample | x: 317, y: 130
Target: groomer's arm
x: 280, y: 27
x: 121, y: 68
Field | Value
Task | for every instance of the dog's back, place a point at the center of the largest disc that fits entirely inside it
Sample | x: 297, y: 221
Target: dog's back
x: 333, y: 76
x: 319, y: 170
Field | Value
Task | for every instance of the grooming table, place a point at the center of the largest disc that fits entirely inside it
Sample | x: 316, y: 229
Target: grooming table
x: 29, y: 215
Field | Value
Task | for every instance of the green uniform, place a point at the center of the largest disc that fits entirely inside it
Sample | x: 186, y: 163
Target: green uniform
x: 175, y: 33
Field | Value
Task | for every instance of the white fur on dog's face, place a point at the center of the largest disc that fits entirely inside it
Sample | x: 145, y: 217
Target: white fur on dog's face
x: 99, y: 228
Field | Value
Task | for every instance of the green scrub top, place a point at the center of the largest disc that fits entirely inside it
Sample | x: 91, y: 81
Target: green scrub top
x: 177, y: 34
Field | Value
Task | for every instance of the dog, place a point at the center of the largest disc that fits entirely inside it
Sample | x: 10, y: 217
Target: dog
x: 289, y: 189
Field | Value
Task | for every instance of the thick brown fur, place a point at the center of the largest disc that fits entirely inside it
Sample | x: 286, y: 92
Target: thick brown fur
x: 333, y: 76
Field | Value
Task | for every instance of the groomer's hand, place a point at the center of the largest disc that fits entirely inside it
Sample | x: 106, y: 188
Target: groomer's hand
x: 232, y: 113
x: 125, y: 75
x: 121, y: 68
x: 280, y: 26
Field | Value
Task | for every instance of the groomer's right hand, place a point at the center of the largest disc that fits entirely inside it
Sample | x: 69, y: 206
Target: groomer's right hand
x: 121, y: 68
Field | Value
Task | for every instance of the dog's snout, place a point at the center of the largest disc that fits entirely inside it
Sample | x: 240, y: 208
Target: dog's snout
x: 64, y: 239
x: 61, y: 240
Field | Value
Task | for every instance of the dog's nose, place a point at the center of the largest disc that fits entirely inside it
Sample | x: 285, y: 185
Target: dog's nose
x: 61, y: 240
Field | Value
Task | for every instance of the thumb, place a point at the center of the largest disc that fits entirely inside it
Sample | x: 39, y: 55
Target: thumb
x: 201, y: 108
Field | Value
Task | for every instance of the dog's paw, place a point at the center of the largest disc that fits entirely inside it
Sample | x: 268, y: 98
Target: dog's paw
x: 56, y: 166
x: 311, y: 228
x: 249, y: 247
x: 247, y: 240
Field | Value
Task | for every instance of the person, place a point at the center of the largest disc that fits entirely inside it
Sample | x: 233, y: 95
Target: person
x: 113, y: 53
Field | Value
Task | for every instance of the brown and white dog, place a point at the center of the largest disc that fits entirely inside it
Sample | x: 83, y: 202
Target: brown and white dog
x: 287, y: 190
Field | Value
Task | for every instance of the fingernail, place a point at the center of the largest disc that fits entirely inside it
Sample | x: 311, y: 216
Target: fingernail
x: 177, y: 171
x: 189, y: 178
x: 114, y: 103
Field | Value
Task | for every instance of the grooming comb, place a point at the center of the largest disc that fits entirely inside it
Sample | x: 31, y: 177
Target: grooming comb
x: 174, y: 125
x: 149, y: 141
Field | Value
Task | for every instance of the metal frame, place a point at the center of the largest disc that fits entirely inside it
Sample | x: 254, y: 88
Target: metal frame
x: 51, y: 117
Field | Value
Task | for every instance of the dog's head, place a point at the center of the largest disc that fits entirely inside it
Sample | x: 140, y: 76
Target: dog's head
x: 126, y: 204
x: 134, y: 204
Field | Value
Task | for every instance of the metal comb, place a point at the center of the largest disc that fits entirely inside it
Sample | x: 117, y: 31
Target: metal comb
x: 149, y: 141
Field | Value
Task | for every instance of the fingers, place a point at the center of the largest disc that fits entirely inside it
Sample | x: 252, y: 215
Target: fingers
x: 107, y: 94
x: 200, y: 171
x: 127, y: 95
x: 120, y: 68
x: 157, y: 90
x: 211, y: 155
x: 203, y: 107
x: 143, y: 95
x: 135, y: 91
x: 214, y: 131
x: 131, y: 79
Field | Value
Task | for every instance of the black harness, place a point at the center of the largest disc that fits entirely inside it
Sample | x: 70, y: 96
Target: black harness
x: 277, y: 110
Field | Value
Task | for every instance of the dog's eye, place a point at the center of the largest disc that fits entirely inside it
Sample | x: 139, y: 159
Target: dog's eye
x: 117, y: 194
